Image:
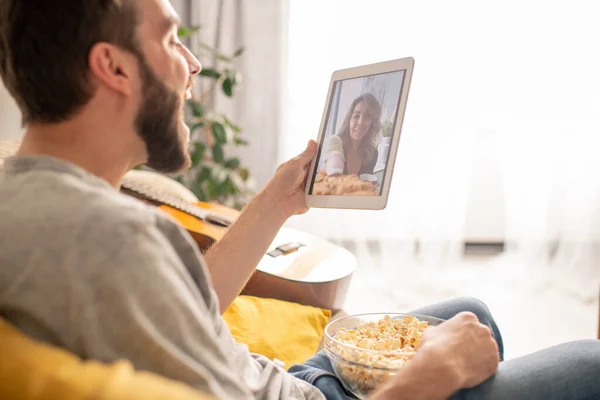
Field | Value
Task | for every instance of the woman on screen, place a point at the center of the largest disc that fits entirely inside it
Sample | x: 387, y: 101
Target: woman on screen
x: 354, y: 149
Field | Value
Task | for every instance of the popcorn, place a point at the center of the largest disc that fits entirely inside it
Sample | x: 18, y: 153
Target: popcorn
x: 388, y: 344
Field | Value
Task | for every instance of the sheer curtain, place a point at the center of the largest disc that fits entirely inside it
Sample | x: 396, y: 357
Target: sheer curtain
x: 512, y: 86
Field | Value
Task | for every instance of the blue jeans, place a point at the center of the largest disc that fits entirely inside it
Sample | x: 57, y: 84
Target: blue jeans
x: 569, y: 371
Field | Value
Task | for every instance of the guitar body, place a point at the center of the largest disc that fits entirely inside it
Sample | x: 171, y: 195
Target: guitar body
x: 317, y: 274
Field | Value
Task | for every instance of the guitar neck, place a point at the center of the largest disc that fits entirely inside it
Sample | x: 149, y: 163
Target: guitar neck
x: 150, y: 193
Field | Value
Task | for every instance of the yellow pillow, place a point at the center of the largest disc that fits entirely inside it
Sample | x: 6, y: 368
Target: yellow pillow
x: 34, y: 371
x: 278, y: 329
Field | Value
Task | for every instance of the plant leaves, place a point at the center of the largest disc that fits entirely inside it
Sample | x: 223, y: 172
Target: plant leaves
x: 198, y: 189
x: 205, y: 174
x: 232, y: 163
x: 220, y: 56
x: 198, y: 109
x: 198, y: 153
x: 222, y: 189
x: 244, y: 174
x: 195, y: 126
x: 185, y: 32
x: 229, y: 187
x: 219, y: 173
x: 216, y: 177
x: 234, y: 127
x: 239, y: 52
x: 211, y: 190
x: 232, y: 75
x: 225, y: 189
x: 211, y: 73
x: 237, y: 180
x: 218, y: 132
x: 240, y: 142
x: 218, y: 154
x: 228, y: 87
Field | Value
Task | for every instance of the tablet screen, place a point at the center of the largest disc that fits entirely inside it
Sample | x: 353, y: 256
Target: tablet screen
x: 354, y: 149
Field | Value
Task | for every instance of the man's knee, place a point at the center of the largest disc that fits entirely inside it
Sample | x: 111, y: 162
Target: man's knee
x: 475, y: 306
x: 586, y: 352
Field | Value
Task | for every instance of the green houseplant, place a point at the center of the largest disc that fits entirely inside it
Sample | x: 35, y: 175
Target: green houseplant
x: 214, y: 176
x: 386, y: 128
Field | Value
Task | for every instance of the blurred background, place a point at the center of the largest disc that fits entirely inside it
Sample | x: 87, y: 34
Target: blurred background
x: 496, y: 189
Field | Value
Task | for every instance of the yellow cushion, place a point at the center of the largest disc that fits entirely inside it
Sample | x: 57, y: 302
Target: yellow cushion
x: 30, y: 370
x: 34, y: 371
x: 278, y: 329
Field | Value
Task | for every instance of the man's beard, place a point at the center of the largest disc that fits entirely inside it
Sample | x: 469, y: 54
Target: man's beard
x: 157, y: 123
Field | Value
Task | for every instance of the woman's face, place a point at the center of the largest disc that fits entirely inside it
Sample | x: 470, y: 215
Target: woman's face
x: 360, y: 122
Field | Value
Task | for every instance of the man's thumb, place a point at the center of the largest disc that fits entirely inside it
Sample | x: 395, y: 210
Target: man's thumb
x: 308, y: 154
x: 311, y: 149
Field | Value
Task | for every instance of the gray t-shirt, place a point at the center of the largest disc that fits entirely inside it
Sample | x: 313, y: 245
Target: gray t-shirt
x: 108, y: 277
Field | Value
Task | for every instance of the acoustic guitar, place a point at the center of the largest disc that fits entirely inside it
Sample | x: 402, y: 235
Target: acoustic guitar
x: 298, y: 267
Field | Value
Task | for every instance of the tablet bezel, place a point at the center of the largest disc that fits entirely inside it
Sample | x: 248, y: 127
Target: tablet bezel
x: 363, y: 202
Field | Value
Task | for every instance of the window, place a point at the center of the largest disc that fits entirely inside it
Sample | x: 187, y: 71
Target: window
x: 510, y: 86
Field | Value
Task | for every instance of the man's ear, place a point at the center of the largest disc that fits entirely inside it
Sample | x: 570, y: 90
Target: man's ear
x: 112, y: 66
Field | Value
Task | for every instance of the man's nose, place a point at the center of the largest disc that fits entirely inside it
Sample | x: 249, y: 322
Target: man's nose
x: 195, y: 66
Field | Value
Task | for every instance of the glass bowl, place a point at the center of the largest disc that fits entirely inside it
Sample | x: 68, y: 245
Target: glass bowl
x: 362, y: 370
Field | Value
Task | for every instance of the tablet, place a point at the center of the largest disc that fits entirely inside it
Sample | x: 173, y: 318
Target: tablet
x: 359, y: 136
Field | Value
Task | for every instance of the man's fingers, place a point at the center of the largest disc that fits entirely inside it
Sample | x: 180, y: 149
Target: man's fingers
x: 466, y: 316
x: 304, y: 180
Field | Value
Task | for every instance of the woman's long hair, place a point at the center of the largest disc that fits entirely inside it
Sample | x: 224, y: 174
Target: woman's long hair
x: 371, y: 138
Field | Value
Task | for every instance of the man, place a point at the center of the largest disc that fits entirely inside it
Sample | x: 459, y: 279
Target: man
x: 101, y: 85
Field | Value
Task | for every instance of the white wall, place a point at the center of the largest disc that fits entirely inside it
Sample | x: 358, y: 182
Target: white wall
x: 10, y: 117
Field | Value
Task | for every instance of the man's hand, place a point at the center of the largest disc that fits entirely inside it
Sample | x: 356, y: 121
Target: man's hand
x: 286, y: 188
x: 458, y: 354
x: 467, y: 344
x: 234, y: 258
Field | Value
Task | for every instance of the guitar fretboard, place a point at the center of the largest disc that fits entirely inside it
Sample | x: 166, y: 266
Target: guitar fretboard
x: 160, y: 196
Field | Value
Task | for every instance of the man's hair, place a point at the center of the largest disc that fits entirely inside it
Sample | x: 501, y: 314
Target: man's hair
x: 44, y: 50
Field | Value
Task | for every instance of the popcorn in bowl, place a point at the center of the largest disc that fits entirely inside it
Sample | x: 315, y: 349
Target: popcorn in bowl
x: 366, y: 350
